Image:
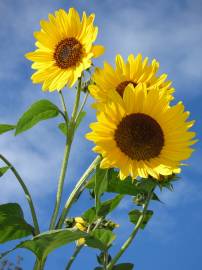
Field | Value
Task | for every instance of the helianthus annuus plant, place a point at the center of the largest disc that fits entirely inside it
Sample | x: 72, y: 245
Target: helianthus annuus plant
x: 140, y: 136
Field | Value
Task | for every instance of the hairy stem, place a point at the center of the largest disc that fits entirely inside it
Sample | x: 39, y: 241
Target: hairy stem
x: 27, y: 194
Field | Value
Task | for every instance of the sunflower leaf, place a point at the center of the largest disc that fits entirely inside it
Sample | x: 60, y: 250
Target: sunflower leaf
x: 106, y: 237
x: 100, y: 186
x: 123, y: 266
x: 134, y: 216
x: 4, y: 128
x: 63, y: 128
x: 109, y: 205
x: 79, y: 119
x: 44, y: 243
x: 3, y: 170
x: 12, y: 223
x: 39, y: 111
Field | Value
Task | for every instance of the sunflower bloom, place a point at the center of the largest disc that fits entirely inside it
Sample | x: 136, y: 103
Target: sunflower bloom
x: 64, y: 49
x: 81, y: 225
x: 135, y: 71
x: 142, y: 135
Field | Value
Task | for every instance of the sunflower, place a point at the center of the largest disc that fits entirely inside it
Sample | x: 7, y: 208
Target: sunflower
x: 65, y: 48
x: 141, y: 134
x: 135, y: 71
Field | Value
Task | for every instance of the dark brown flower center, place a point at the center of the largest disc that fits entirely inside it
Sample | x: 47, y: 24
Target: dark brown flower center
x: 139, y: 136
x: 68, y: 53
x: 121, y: 87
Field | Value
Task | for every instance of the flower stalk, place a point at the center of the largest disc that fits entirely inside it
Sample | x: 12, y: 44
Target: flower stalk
x: 69, y: 140
x: 133, y: 234
x: 27, y: 194
x: 76, y: 191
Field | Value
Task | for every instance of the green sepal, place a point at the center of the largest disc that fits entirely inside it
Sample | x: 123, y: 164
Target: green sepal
x: 39, y: 111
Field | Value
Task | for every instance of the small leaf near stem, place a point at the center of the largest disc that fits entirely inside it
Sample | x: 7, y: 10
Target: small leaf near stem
x: 26, y: 191
x: 133, y: 234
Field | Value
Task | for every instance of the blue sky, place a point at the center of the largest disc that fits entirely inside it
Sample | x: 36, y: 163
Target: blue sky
x: 169, y: 31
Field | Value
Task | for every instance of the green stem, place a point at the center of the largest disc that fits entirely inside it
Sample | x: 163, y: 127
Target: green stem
x: 76, y: 105
x: 76, y: 191
x: 39, y: 265
x: 82, y: 105
x: 27, y: 194
x: 66, y: 117
x: 69, y: 139
x: 105, y: 260
x: 133, y: 234
x: 61, y: 183
x: 73, y: 257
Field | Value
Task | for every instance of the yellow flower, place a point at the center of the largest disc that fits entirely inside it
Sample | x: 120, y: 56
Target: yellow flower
x: 65, y: 48
x: 141, y: 134
x: 81, y: 224
x: 135, y: 71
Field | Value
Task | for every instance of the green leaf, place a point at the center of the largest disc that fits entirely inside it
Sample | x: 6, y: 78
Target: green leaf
x: 4, y: 128
x: 12, y: 223
x: 108, y: 206
x: 3, y: 170
x: 146, y: 185
x: 63, y: 128
x: 105, y: 208
x: 90, y: 215
x: 134, y: 216
x: 115, y: 185
x: 106, y: 237
x: 43, y: 244
x: 100, y: 185
x: 79, y: 119
x: 39, y: 111
x: 123, y: 266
